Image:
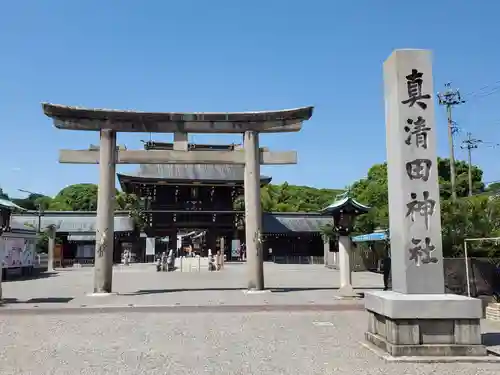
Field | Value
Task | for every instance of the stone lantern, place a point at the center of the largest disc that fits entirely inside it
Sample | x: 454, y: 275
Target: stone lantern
x: 344, y: 212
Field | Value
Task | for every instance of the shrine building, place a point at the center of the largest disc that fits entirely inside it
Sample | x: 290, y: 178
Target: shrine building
x: 198, y: 205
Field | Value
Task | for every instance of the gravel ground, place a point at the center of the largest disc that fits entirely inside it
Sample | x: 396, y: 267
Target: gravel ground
x: 308, y: 332
x: 217, y: 343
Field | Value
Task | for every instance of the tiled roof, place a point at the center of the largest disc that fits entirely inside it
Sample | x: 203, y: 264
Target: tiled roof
x: 344, y: 202
x: 293, y: 222
x: 8, y: 204
x: 70, y: 223
x: 84, y: 224
x: 194, y: 172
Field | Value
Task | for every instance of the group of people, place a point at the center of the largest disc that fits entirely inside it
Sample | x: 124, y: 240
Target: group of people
x: 126, y: 257
x: 165, y: 262
x: 215, y: 263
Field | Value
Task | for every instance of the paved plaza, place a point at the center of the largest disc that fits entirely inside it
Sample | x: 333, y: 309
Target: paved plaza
x: 180, y: 335
x: 141, y: 285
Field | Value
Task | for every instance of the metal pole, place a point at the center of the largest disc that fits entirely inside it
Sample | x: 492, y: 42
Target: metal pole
x: 39, y: 218
x: 469, y: 154
x: 452, y: 154
x: 467, y: 268
x: 51, y: 232
x: 469, y: 144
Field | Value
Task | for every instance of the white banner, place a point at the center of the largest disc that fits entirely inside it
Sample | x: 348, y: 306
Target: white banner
x: 150, y: 246
x: 17, y: 252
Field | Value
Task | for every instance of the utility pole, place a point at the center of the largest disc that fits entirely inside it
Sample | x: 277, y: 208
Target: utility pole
x: 450, y: 98
x: 469, y: 144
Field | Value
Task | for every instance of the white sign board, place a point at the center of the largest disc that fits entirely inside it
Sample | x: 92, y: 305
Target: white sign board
x: 17, y: 252
x: 150, y: 246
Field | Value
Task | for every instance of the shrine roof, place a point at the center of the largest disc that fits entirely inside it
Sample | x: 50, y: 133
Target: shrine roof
x: 5, y: 203
x: 70, y: 221
x: 78, y: 118
x: 189, y: 172
x: 345, y: 202
x: 83, y: 222
x: 298, y: 222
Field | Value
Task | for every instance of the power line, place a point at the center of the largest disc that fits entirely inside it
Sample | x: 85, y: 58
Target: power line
x: 484, y: 91
x: 482, y: 88
x: 449, y: 99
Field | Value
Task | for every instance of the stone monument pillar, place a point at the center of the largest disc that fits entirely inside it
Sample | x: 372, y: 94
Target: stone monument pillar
x: 151, y: 249
x: 222, y: 250
x: 346, y: 289
x: 253, y: 219
x: 51, y: 234
x: 326, y: 249
x: 416, y: 318
x: 103, y: 275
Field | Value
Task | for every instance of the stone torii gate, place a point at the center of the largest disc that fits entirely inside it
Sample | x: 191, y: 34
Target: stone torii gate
x: 109, y: 122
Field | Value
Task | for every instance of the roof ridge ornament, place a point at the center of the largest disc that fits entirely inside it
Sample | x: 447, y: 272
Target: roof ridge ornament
x: 346, y: 194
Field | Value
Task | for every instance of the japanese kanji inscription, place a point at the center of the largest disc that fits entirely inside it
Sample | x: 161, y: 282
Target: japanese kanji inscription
x: 414, y: 83
x: 414, y: 204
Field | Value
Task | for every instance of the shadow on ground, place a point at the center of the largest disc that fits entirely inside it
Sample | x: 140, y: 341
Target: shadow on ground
x: 491, y: 339
x: 7, y: 301
x: 34, y: 276
x: 274, y: 290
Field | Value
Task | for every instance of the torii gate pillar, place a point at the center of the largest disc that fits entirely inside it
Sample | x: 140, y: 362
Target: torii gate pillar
x: 253, y: 212
x: 105, y: 231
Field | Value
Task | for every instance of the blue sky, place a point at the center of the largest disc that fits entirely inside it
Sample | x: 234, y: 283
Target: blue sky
x: 221, y: 55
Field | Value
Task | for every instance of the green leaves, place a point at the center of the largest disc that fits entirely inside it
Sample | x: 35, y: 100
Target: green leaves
x: 474, y: 217
x: 292, y: 198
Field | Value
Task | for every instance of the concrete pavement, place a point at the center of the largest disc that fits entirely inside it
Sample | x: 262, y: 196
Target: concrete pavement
x: 141, y: 285
x: 189, y: 323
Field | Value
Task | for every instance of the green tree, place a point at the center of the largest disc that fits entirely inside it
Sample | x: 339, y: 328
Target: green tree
x: 29, y: 203
x: 78, y: 197
x: 132, y: 204
x: 462, y: 178
x: 473, y: 217
x: 372, y: 191
x: 3, y: 195
x: 468, y: 217
x: 293, y: 198
x: 493, y: 187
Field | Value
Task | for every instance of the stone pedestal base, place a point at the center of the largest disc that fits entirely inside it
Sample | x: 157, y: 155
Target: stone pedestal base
x: 429, y: 325
x: 347, y: 292
x: 256, y: 291
x: 102, y: 294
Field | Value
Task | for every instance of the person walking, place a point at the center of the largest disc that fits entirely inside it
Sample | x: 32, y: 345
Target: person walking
x: 386, y: 268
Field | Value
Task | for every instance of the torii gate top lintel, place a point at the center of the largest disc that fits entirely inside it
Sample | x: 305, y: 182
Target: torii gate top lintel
x: 77, y: 118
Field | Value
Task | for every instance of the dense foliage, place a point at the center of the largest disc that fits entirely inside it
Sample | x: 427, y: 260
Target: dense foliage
x: 468, y: 217
x: 274, y: 198
x: 292, y: 198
